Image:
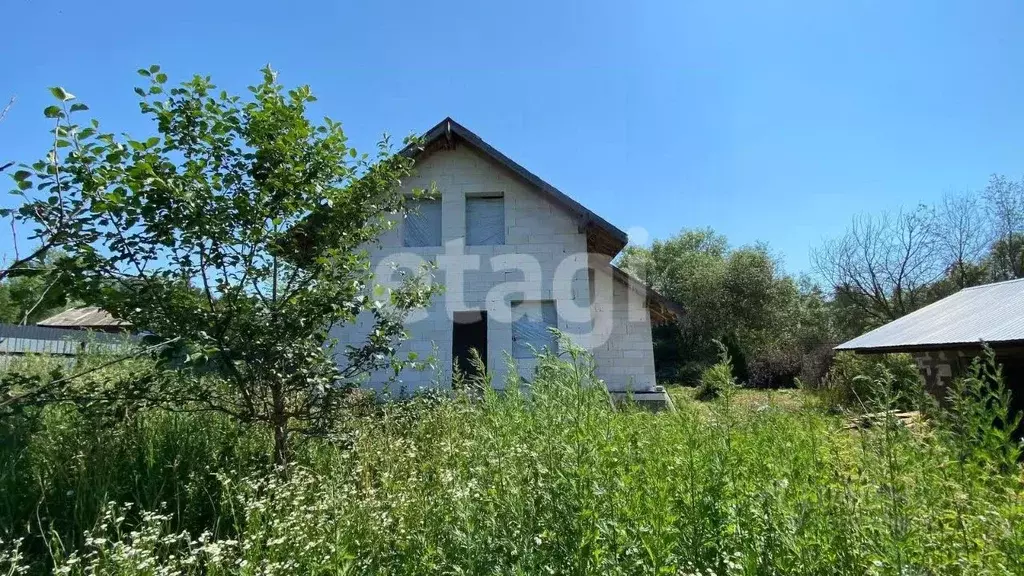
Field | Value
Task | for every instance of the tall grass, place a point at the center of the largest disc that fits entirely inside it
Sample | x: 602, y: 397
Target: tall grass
x: 550, y: 479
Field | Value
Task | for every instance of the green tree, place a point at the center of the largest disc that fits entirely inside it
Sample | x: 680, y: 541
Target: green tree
x: 738, y: 296
x: 34, y: 291
x: 237, y: 232
x: 1005, y: 258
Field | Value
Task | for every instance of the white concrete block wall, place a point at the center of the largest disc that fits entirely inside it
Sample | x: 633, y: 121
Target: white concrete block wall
x: 535, y: 226
x: 622, y: 347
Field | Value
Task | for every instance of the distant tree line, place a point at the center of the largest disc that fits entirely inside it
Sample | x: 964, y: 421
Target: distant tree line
x: 889, y: 264
x: 779, y: 327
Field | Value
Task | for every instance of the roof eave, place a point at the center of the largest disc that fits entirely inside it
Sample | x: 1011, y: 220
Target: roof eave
x: 900, y: 348
x: 662, y: 309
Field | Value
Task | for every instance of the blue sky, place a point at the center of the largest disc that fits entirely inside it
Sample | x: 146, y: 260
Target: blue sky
x: 772, y: 121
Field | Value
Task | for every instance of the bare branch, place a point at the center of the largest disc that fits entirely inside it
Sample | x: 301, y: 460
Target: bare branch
x: 1004, y: 202
x: 965, y: 235
x: 3, y: 113
x: 883, y: 263
x: 24, y: 320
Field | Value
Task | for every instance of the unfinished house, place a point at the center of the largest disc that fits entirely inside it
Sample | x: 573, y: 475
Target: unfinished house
x: 516, y: 256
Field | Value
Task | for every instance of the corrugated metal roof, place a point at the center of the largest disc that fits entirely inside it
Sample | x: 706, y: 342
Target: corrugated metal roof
x: 85, y: 317
x: 993, y: 313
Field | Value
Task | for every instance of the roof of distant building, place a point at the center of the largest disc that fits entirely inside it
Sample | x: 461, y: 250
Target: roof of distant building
x: 992, y: 313
x: 86, y: 317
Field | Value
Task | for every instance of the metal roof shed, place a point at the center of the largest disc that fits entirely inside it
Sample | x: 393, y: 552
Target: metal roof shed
x: 943, y: 338
x: 992, y: 313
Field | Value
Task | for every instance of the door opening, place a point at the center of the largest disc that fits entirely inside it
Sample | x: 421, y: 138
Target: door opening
x: 469, y: 331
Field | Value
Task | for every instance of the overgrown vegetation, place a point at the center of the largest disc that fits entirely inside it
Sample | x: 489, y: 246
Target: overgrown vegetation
x: 776, y: 327
x: 34, y: 292
x: 717, y: 380
x: 850, y: 381
x: 549, y: 481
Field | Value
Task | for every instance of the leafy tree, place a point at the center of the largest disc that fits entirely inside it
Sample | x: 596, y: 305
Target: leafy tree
x: 688, y: 267
x: 237, y: 233
x: 32, y: 294
x: 757, y: 301
x: 56, y: 229
x: 736, y: 296
x: 1005, y: 258
x: 813, y: 324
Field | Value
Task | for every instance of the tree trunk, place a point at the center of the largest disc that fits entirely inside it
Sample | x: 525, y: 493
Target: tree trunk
x: 281, y: 441
x: 280, y: 421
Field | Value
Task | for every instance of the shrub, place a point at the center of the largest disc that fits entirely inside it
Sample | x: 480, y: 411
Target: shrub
x: 714, y: 381
x: 852, y: 380
x: 979, y: 415
x: 775, y: 369
x: 687, y: 373
x: 815, y: 364
x: 717, y: 379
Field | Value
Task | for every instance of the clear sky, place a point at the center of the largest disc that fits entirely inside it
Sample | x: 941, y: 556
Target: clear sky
x: 773, y: 121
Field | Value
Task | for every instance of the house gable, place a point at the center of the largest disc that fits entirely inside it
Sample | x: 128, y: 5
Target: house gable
x: 602, y: 236
x: 534, y: 223
x: 550, y: 253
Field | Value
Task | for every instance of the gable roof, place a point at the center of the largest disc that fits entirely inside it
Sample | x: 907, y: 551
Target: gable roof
x: 84, y: 317
x: 993, y: 313
x: 602, y: 236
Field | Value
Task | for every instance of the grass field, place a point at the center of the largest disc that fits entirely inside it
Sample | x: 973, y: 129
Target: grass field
x: 552, y: 483
x: 789, y: 399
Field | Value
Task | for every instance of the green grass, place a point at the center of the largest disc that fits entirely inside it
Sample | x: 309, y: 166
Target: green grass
x: 550, y: 483
x: 752, y: 399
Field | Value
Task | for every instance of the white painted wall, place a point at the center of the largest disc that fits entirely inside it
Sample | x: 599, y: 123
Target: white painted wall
x: 535, y: 226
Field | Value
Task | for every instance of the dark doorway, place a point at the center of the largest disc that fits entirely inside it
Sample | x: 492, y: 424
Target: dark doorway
x: 469, y: 330
x: 1013, y: 378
